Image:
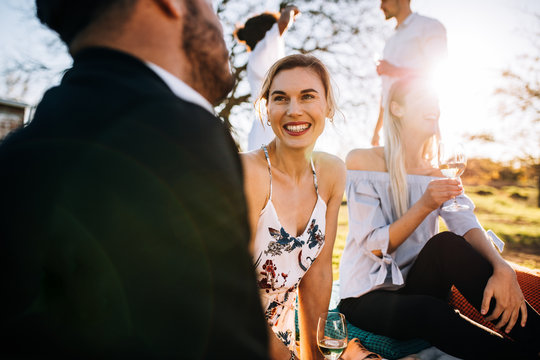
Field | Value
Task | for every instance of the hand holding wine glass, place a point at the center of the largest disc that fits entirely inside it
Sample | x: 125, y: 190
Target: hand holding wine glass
x: 452, y: 163
x: 332, y: 335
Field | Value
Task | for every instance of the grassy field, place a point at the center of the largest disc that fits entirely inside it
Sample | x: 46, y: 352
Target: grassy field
x: 510, y: 212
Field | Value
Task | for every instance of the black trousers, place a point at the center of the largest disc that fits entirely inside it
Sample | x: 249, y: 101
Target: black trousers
x: 420, y: 309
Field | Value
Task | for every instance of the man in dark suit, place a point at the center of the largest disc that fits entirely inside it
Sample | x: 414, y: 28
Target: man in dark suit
x: 123, y: 220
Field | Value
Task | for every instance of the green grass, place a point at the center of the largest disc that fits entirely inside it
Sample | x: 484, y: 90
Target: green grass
x: 516, y: 220
x: 341, y: 237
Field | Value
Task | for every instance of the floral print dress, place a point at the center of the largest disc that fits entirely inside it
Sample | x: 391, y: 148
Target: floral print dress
x: 281, y: 260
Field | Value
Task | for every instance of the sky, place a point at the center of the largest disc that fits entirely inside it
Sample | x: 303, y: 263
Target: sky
x: 484, y: 38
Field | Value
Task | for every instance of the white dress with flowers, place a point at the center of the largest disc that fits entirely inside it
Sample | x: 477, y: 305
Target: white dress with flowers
x: 281, y: 260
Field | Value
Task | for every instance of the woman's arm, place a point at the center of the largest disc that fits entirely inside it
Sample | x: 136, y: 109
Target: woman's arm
x: 316, y: 285
x: 437, y: 192
x: 286, y: 17
x: 502, y: 285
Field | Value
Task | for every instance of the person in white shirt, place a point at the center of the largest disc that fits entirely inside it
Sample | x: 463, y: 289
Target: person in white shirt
x: 397, y: 270
x: 263, y: 37
x: 417, y: 46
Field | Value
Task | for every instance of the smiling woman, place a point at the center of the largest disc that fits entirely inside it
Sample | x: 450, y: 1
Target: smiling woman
x: 297, y: 107
x: 293, y: 196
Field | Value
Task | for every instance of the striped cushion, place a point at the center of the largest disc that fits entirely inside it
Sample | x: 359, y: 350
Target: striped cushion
x: 529, y: 281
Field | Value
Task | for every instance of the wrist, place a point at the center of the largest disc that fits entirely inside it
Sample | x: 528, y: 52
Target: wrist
x: 502, y: 267
x: 423, y: 207
x: 288, y: 9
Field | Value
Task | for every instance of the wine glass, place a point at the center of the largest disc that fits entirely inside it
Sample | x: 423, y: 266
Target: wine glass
x: 332, y: 334
x: 452, y: 162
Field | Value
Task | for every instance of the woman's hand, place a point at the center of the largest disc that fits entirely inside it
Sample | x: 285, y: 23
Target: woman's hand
x: 439, y: 191
x: 286, y: 18
x: 356, y: 351
x: 509, y: 300
x: 290, y: 8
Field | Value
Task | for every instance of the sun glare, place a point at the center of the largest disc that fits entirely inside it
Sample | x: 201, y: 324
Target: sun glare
x: 458, y: 84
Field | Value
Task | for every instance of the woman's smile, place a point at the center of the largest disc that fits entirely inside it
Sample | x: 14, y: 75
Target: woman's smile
x: 296, y: 128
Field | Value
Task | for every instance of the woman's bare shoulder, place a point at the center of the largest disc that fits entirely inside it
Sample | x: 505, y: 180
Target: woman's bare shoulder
x: 254, y: 164
x: 328, y: 162
x: 370, y: 159
x: 331, y: 173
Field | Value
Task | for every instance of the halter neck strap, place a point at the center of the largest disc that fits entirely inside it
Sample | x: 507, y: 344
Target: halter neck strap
x: 265, y: 149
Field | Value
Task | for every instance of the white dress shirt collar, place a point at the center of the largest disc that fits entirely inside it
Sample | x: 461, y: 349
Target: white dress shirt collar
x: 407, y: 20
x: 180, y: 88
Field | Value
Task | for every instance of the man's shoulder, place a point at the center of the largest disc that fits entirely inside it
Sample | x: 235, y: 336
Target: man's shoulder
x: 428, y: 22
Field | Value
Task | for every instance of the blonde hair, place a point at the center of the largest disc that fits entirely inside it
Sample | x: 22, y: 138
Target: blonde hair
x: 301, y: 61
x: 393, y: 146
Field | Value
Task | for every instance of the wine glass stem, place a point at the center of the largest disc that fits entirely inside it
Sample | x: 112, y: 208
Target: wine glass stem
x: 455, y: 200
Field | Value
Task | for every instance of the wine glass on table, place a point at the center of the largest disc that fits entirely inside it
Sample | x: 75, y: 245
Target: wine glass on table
x: 332, y: 335
x: 452, y: 163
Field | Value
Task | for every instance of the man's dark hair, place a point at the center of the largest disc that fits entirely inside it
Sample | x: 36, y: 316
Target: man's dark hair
x: 255, y: 28
x: 69, y: 17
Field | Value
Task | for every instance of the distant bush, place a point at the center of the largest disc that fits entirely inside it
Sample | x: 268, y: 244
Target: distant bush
x: 518, y: 196
x: 497, y: 174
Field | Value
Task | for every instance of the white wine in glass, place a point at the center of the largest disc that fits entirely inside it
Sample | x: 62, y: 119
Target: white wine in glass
x: 332, y: 335
x: 452, y: 163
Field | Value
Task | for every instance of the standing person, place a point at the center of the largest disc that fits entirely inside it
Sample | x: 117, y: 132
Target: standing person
x: 396, y: 271
x: 117, y: 240
x: 416, y: 47
x: 263, y: 37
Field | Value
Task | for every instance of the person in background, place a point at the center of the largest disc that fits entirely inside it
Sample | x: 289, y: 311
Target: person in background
x: 263, y: 36
x: 417, y: 46
x: 396, y: 270
x: 124, y: 229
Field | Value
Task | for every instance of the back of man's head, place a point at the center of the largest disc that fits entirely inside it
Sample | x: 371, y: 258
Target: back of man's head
x: 69, y: 17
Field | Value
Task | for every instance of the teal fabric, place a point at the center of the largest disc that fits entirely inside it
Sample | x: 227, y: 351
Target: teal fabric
x: 386, y: 347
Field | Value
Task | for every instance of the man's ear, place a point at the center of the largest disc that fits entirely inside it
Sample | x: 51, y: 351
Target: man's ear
x: 396, y: 109
x: 174, y: 8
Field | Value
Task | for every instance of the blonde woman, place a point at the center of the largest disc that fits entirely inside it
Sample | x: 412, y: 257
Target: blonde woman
x: 396, y: 271
x: 293, y: 196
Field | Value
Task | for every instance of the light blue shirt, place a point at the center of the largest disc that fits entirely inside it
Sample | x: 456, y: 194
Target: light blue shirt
x: 370, y: 216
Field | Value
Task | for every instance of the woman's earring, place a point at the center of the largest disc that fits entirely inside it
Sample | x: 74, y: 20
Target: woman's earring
x: 268, y: 123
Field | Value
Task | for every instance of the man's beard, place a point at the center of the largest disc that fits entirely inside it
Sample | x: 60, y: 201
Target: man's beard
x: 205, y: 49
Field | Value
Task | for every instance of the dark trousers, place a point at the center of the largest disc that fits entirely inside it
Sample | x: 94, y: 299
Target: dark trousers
x: 420, y: 309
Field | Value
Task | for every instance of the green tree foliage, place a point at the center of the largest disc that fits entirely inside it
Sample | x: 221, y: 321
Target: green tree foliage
x: 343, y: 33
x: 520, y: 102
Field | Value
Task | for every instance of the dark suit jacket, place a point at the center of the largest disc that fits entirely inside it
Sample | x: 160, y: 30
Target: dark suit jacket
x: 123, y: 224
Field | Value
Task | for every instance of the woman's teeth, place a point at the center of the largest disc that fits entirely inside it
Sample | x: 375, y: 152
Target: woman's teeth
x: 297, y: 128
